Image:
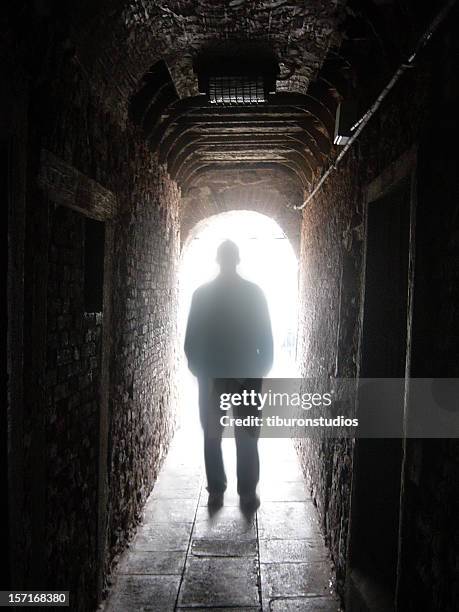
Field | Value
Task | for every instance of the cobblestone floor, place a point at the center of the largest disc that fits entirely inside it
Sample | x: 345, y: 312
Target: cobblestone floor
x: 185, y: 558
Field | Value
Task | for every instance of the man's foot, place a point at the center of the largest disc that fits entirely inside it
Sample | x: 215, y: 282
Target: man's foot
x: 249, y: 501
x: 215, y: 500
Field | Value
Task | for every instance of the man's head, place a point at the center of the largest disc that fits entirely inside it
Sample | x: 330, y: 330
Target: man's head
x: 228, y: 256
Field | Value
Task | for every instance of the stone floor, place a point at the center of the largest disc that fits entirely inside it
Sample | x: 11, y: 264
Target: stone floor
x: 185, y: 558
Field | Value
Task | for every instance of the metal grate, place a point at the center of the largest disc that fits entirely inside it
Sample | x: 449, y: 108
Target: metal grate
x: 236, y: 90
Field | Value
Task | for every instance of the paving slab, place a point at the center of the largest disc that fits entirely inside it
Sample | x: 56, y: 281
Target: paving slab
x: 179, y: 477
x: 305, y: 604
x: 179, y: 487
x: 170, y: 511
x: 223, y: 548
x: 163, y: 537
x: 227, y: 523
x: 159, y: 563
x: 184, y: 493
x: 284, y: 491
x: 220, y: 582
x: 225, y: 609
x: 231, y: 498
x: 292, y: 551
x: 288, y: 521
x: 295, y: 579
x: 145, y: 593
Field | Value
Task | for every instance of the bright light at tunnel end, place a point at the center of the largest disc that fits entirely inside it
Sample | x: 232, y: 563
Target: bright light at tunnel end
x: 267, y: 259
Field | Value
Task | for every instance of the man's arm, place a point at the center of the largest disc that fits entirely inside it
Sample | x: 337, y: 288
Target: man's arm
x: 194, y: 336
x: 265, y: 336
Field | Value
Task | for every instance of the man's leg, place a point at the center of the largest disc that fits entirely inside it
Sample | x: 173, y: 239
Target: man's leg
x: 248, y: 464
x: 213, y: 458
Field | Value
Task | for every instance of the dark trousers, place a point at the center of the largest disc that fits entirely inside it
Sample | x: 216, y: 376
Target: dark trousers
x: 247, y: 461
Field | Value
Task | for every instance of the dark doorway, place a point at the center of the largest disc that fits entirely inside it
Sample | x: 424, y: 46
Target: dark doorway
x: 94, y: 254
x: 5, y: 188
x: 378, y: 461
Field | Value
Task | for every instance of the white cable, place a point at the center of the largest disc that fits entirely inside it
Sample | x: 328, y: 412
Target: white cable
x: 362, y: 122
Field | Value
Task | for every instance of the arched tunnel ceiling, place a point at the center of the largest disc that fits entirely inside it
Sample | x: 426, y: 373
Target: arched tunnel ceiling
x: 145, y: 58
x: 292, y: 130
x: 122, y: 46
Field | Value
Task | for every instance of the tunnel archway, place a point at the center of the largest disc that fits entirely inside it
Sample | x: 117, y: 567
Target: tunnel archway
x: 267, y: 258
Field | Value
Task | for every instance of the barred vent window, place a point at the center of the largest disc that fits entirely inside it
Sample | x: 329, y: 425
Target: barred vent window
x: 236, y: 90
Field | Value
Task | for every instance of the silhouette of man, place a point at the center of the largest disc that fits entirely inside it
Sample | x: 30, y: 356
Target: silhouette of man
x: 229, y: 348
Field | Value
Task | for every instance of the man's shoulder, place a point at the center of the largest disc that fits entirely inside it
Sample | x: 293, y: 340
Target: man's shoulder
x: 204, y: 290
x: 215, y: 287
x: 251, y: 287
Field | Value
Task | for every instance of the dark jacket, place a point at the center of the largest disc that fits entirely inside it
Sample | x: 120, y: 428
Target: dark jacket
x: 229, y: 330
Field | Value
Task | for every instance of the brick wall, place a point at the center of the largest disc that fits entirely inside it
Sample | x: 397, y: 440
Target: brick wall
x: 419, y: 112
x: 72, y: 414
x: 143, y: 360
x: 61, y: 450
x: 330, y: 272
